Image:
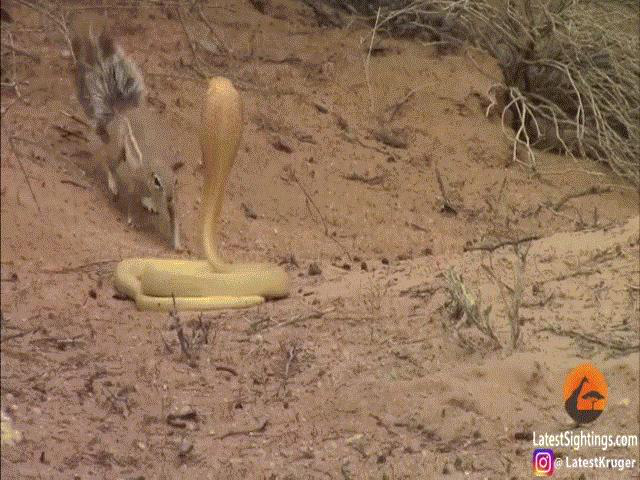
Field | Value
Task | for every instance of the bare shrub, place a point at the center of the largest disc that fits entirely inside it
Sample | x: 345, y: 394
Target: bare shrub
x: 570, y: 68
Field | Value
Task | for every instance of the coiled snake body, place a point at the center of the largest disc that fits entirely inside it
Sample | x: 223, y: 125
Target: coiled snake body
x: 154, y: 284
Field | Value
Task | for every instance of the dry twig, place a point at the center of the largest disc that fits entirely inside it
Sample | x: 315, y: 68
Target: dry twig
x: 76, y: 119
x: 367, y: 61
x: 447, y: 206
x: 619, y: 346
x: 60, y: 21
x: 294, y: 178
x: 513, y: 301
x: 495, y: 246
x: 594, y: 190
x: 17, y: 155
x: 356, y: 177
x: 291, y: 354
x: 212, y: 30
x: 196, y: 59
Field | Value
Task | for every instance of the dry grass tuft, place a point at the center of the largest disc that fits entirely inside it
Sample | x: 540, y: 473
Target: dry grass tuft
x: 469, y: 308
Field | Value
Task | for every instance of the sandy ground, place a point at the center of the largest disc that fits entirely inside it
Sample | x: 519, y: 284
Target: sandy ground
x: 366, y: 371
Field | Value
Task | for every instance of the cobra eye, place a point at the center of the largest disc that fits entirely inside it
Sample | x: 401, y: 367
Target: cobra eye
x: 157, y: 182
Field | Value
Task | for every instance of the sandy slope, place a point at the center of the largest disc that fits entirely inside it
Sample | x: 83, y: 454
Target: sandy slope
x: 361, y: 373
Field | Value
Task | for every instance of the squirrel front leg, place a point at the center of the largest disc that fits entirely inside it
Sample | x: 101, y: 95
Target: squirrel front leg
x: 111, y: 181
x: 104, y: 161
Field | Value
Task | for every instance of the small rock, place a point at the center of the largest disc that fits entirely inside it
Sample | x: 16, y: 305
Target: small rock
x: 186, y: 412
x: 314, y: 269
x: 185, y: 447
x: 281, y: 145
x: 248, y: 211
x: 524, y: 435
x: 184, y: 417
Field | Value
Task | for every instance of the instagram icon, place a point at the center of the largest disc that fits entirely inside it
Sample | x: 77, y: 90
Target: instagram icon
x: 543, y: 462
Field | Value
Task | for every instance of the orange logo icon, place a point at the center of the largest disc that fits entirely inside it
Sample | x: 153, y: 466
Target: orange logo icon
x: 585, y: 393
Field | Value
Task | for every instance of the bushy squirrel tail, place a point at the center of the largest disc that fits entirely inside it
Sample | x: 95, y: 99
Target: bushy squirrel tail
x: 107, y: 81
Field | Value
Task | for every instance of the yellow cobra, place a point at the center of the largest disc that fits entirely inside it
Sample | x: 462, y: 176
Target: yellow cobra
x: 209, y: 284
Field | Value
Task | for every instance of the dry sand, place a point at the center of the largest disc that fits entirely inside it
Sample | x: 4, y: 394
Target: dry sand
x: 364, y: 372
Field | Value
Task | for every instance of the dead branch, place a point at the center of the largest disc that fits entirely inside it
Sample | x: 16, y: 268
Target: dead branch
x: 74, y: 183
x: 447, y: 205
x: 356, y: 177
x: 326, y: 15
x: 212, y: 30
x: 353, y: 139
x: 224, y: 368
x: 303, y: 318
x: 395, y: 107
x: 196, y: 60
x: 291, y: 356
x: 577, y: 273
x: 294, y: 178
x: 391, y: 138
x: 70, y: 133
x: 60, y: 21
x: 19, y: 335
x: 24, y: 53
x: 495, y: 246
x: 81, y: 268
x: 368, y: 60
x: 593, y: 190
x: 76, y: 118
x: 619, y: 346
x: 17, y: 155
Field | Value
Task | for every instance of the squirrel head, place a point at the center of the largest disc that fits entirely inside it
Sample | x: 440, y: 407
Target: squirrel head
x: 158, y: 199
